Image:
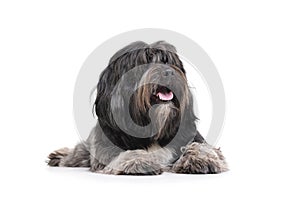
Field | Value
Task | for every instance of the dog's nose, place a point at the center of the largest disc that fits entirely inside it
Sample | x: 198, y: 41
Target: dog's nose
x: 168, y: 72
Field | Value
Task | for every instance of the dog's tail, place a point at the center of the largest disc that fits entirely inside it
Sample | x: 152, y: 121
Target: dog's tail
x: 65, y: 157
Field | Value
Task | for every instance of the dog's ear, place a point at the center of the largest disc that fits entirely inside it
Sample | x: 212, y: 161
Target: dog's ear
x: 189, y: 118
x: 110, y: 101
x: 102, y: 102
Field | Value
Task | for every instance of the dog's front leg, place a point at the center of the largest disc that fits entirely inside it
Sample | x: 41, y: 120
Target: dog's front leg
x: 140, y: 162
x: 200, y: 158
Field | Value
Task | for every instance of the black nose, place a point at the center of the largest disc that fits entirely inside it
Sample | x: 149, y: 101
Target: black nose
x: 168, y: 72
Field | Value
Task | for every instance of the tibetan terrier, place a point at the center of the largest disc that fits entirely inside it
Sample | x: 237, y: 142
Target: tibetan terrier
x: 146, y: 124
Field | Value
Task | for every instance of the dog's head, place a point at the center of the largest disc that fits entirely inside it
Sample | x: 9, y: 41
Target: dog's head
x: 144, y: 93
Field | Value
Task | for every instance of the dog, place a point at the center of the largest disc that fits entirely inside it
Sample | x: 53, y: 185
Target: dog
x: 146, y: 124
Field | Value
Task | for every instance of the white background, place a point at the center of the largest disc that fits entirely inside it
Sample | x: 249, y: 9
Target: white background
x: 254, y: 44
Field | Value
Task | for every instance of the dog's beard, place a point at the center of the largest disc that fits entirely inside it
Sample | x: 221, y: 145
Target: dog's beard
x: 163, y: 115
x: 158, y: 112
x: 159, y: 105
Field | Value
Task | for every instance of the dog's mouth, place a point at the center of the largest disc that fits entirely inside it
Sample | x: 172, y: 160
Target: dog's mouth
x: 163, y: 94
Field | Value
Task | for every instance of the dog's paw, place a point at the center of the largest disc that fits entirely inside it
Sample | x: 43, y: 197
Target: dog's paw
x: 135, y: 167
x: 96, y: 166
x: 200, y: 159
x: 132, y: 163
x: 56, y: 156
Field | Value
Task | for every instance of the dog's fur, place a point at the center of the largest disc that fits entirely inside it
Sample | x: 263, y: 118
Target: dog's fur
x: 120, y: 144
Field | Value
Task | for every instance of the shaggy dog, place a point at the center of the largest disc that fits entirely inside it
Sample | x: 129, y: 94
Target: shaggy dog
x: 146, y: 124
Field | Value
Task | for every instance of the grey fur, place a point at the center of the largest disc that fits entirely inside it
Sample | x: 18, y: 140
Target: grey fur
x: 200, y: 159
x: 140, y: 162
x: 196, y: 158
x: 101, y: 155
x: 65, y: 157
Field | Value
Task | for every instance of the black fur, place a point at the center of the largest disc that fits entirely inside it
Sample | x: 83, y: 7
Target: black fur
x: 136, y: 54
x: 120, y: 144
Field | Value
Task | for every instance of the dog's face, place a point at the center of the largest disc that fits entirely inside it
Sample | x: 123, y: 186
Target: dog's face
x: 161, y: 84
x: 163, y: 88
x: 143, y: 93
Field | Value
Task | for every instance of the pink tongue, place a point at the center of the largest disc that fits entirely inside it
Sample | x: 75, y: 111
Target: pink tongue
x: 165, y: 96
